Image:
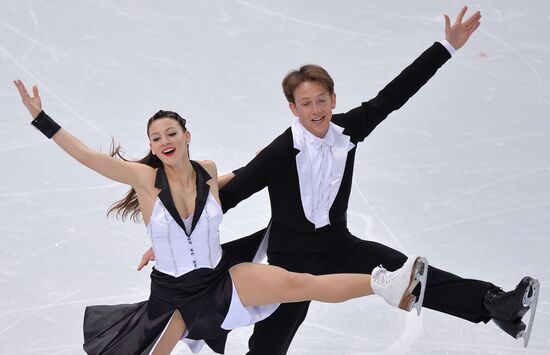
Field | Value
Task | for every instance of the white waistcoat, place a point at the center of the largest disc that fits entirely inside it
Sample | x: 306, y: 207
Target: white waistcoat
x: 177, y: 253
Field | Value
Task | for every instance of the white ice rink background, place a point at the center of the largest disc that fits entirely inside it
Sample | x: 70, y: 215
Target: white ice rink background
x: 461, y: 174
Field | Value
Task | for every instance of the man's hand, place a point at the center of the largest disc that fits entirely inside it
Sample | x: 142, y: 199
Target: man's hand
x: 457, y: 34
x: 149, y: 255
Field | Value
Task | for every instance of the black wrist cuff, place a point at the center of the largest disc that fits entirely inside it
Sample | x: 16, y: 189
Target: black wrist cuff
x: 45, y: 124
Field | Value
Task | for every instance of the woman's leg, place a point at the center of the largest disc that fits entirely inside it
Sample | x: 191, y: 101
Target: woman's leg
x: 171, y: 335
x: 259, y: 284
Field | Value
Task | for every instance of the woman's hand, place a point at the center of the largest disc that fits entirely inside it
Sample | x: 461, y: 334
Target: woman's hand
x: 33, y: 103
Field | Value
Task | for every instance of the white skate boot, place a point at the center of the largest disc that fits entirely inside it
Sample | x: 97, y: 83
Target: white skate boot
x: 396, y: 286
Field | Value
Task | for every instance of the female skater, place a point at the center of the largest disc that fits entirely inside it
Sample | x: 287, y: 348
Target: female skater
x: 196, y: 294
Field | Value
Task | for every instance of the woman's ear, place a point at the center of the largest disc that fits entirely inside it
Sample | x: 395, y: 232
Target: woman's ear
x: 187, y: 137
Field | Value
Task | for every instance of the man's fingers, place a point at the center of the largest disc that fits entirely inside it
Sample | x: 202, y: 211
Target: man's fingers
x: 24, y: 91
x: 461, y: 14
x: 35, y: 90
x: 21, y: 87
x: 144, y: 262
x: 447, y: 22
x: 472, y: 19
x: 472, y: 27
x: 476, y: 25
x: 148, y: 256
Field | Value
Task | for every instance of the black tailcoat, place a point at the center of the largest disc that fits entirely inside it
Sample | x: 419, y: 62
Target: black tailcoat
x: 296, y: 245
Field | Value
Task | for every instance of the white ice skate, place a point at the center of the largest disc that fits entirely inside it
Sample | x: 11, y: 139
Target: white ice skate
x: 396, y: 286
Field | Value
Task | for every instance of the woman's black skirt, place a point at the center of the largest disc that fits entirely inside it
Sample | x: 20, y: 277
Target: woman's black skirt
x: 201, y: 296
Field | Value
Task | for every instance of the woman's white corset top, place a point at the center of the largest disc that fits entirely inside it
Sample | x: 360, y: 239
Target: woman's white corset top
x: 176, y: 252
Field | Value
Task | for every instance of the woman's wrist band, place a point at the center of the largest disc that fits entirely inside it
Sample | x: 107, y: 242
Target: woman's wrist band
x: 45, y: 124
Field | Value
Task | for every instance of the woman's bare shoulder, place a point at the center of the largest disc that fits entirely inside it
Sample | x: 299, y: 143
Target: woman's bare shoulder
x: 146, y: 176
x: 210, y: 167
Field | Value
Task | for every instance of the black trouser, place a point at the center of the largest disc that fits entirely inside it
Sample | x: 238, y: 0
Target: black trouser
x: 445, y: 292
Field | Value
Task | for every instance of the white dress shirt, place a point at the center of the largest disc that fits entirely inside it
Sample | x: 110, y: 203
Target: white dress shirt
x: 320, y: 164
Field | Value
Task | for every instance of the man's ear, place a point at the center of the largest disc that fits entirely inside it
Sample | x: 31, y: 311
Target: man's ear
x: 333, y: 97
x: 292, y: 107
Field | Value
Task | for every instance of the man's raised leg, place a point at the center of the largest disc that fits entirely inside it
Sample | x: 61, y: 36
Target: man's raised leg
x: 445, y: 292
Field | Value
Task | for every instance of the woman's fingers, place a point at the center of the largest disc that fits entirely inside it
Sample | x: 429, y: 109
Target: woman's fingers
x: 21, y: 88
x: 33, y: 103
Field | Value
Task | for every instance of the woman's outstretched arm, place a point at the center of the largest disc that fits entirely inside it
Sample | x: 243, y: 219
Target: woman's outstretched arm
x: 125, y: 172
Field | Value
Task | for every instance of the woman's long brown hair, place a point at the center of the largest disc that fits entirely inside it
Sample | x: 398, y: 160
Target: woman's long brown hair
x: 128, y: 206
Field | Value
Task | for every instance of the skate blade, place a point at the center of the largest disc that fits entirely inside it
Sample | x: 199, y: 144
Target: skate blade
x: 420, y: 275
x: 407, y: 302
x: 514, y: 329
x: 531, y: 302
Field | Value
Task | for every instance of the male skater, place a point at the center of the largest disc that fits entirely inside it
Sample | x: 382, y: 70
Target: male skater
x: 308, y: 171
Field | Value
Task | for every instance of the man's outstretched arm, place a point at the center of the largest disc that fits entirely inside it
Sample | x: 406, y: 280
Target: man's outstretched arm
x: 224, y: 179
x: 361, y: 121
x: 256, y: 175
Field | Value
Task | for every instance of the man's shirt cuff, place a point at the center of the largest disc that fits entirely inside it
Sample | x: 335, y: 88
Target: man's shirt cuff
x: 449, y: 47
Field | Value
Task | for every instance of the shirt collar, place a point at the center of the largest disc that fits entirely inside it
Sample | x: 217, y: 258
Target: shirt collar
x: 315, y: 141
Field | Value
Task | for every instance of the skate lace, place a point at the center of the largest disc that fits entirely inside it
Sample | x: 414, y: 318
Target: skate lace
x: 495, y: 296
x: 381, y: 275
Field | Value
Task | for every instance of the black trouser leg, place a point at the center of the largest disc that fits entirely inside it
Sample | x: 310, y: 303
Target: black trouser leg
x: 445, y: 292
x: 243, y: 249
x: 273, y: 335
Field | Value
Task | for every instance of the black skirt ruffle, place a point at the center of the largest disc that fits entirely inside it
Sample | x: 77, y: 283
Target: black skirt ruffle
x: 201, y: 296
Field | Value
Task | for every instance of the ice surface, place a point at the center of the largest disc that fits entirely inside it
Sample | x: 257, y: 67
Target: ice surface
x: 460, y: 174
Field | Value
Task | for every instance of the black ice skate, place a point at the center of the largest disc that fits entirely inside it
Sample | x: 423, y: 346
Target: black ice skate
x: 508, y: 308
